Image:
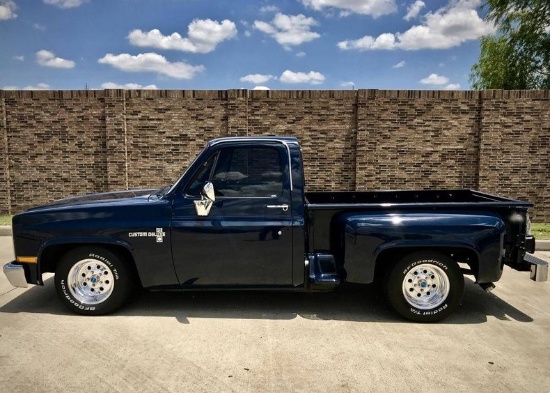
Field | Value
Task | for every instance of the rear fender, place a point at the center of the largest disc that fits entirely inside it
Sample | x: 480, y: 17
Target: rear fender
x: 368, y: 235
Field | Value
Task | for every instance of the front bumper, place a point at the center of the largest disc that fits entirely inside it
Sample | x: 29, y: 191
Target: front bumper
x: 15, y: 274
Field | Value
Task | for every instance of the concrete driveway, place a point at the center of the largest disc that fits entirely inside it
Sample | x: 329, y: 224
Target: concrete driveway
x: 345, y: 341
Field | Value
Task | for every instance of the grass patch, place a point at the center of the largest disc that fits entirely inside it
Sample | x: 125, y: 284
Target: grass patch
x: 541, y: 231
x: 5, y: 220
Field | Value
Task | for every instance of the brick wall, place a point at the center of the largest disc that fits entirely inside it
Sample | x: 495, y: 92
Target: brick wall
x: 59, y: 143
x: 515, y: 147
x: 55, y: 145
x: 429, y: 139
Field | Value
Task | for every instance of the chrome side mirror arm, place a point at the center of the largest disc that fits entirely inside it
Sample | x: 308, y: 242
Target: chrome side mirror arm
x: 208, y: 197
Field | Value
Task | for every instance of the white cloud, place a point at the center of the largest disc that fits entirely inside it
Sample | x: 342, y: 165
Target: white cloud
x: 151, y: 62
x: 256, y: 78
x: 401, y: 64
x: 48, y: 59
x: 289, y: 30
x: 39, y: 86
x: 447, y: 27
x: 65, y: 3
x: 374, y: 8
x: 434, y: 79
x: 414, y: 9
x: 312, y: 77
x: 19, y: 58
x: 127, y: 86
x: 452, y: 86
x: 383, y: 41
x: 301, y: 54
x: 261, y: 88
x: 7, y: 10
x: 347, y: 84
x: 39, y: 27
x: 269, y: 8
x: 247, y: 33
x: 203, y: 35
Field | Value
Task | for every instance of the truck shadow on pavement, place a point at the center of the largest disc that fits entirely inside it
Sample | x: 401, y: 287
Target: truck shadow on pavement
x: 360, y: 303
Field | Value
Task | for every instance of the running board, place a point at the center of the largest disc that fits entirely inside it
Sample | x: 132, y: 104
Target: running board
x: 322, y: 271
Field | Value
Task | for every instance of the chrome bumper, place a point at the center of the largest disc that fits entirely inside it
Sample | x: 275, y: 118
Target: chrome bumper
x: 16, y: 275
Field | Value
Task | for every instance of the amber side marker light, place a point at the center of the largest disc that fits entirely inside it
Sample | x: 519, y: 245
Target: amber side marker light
x: 27, y: 259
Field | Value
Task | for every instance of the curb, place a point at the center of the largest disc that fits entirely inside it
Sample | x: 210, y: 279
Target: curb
x: 540, y: 245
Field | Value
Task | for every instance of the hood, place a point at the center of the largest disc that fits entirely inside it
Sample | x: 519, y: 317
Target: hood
x: 95, y: 198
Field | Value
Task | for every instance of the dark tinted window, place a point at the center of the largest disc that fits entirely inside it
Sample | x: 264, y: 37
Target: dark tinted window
x: 201, y: 177
x: 248, y: 172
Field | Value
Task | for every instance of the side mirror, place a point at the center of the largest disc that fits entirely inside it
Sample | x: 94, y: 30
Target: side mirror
x: 208, y: 197
x: 208, y: 191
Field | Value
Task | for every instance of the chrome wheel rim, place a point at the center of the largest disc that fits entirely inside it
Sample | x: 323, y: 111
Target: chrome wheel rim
x: 91, y: 281
x: 426, y: 286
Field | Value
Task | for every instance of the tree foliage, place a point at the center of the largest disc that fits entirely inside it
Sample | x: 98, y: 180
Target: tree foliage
x: 518, y: 55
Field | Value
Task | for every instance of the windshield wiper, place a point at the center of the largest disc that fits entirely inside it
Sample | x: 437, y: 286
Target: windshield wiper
x: 162, y: 191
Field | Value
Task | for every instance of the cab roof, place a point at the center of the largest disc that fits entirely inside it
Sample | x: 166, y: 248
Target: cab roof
x: 281, y: 139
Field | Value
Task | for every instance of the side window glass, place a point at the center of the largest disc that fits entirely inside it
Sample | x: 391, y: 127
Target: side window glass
x: 249, y: 172
x: 201, y: 177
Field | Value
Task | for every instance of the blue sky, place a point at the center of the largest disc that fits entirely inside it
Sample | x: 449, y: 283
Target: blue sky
x: 208, y: 44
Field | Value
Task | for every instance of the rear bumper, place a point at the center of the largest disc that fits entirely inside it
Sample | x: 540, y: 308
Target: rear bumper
x: 15, y: 274
x: 530, y: 244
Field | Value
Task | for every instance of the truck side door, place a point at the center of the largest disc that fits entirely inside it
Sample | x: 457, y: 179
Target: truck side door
x: 246, y: 239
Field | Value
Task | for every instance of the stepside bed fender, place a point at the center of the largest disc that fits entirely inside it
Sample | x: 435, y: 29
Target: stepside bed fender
x: 366, y: 235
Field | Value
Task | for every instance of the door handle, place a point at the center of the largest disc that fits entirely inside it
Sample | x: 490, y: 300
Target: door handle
x: 284, y: 207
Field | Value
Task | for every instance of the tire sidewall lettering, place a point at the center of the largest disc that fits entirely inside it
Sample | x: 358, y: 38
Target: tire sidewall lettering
x: 429, y: 312
x: 105, y: 261
x: 425, y: 261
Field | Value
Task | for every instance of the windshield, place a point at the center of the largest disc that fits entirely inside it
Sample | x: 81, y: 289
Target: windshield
x: 173, y: 187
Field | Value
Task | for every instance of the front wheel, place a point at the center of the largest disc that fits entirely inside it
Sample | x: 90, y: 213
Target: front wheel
x: 93, y: 280
x: 425, y: 286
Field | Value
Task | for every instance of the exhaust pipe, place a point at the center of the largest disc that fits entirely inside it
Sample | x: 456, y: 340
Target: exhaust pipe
x: 487, y: 287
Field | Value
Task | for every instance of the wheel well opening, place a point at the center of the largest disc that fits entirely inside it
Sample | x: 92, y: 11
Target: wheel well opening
x: 52, y: 255
x: 388, y: 258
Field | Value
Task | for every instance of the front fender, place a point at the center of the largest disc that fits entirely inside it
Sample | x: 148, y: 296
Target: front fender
x: 75, y: 241
x: 367, y: 235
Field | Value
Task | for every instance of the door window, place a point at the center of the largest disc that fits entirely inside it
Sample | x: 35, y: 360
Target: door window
x: 248, y: 172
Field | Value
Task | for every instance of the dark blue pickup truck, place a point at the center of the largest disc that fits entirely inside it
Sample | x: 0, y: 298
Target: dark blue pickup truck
x: 239, y: 218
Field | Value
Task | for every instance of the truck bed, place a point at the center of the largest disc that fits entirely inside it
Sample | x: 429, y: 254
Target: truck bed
x: 324, y: 206
x: 414, y: 198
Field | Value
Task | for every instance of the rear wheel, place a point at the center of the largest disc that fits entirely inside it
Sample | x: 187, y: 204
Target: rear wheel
x: 425, y: 286
x: 93, y: 280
